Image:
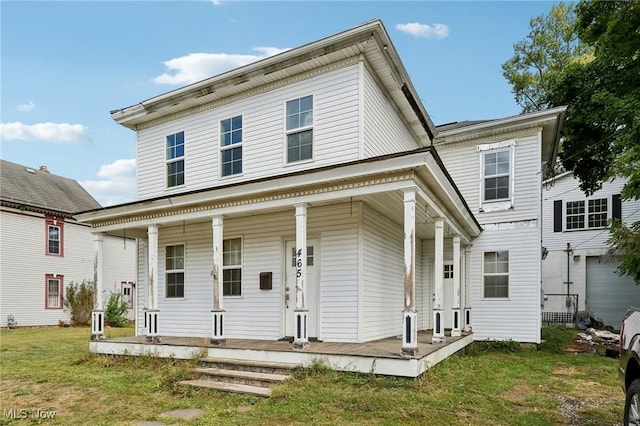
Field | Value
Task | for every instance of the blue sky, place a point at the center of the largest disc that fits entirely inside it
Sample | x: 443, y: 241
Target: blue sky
x: 66, y: 65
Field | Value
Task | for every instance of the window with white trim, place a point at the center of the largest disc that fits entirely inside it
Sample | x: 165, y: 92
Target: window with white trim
x: 53, y: 290
x: 299, y: 129
x: 232, y: 267
x: 174, y: 271
x: 175, y: 160
x: 497, y: 175
x: 55, y: 234
x: 592, y: 214
x: 231, y: 146
x: 496, y: 274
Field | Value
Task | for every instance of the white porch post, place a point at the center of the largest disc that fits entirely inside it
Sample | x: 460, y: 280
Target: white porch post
x: 455, y: 317
x: 301, y: 314
x: 217, y: 313
x: 409, y: 314
x: 97, y: 316
x: 438, y: 272
x: 151, y: 317
x: 467, y: 291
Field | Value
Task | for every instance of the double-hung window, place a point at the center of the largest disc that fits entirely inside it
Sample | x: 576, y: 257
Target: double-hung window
x: 586, y: 215
x: 232, y: 267
x: 175, y: 159
x: 300, y: 129
x: 174, y: 270
x: 496, y: 274
x: 53, y: 291
x: 55, y: 233
x: 231, y: 145
x: 496, y: 175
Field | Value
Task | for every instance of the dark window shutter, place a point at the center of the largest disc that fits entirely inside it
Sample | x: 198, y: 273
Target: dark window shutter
x: 616, y: 207
x: 557, y: 216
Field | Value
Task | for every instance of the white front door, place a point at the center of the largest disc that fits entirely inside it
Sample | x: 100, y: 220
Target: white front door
x: 311, y: 287
x: 448, y: 293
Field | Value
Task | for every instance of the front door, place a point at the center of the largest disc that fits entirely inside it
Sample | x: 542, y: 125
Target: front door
x: 311, y: 287
x: 448, y: 293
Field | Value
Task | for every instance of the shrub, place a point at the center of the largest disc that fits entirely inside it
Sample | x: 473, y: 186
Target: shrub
x: 115, y: 314
x: 79, y: 299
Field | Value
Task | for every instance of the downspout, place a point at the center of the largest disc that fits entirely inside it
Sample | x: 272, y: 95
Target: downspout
x: 569, y: 250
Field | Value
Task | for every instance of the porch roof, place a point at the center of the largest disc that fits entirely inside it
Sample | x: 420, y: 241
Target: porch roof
x: 379, y: 181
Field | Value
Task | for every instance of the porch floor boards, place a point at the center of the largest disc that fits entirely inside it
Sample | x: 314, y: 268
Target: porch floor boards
x: 384, y: 348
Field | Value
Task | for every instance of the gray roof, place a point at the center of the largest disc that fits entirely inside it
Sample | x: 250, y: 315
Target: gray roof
x: 42, y: 191
x: 459, y: 124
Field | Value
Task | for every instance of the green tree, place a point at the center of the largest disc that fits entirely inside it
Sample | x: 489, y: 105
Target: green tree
x: 116, y: 313
x: 601, y: 135
x: 79, y: 298
x: 550, y: 46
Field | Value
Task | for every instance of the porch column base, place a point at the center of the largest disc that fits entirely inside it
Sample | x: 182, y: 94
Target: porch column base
x: 301, y: 339
x: 217, y: 335
x: 467, y: 320
x: 97, y: 325
x: 455, y: 326
x: 151, y: 325
x: 409, y: 333
x: 438, y: 326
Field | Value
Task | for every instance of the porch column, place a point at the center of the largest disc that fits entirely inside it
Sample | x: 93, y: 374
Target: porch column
x: 409, y: 314
x: 455, y: 317
x: 301, y: 314
x: 152, y: 313
x: 467, y: 291
x: 438, y: 271
x: 97, y: 316
x: 217, y: 313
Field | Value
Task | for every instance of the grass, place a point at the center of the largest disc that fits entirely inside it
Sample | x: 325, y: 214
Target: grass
x: 496, y: 384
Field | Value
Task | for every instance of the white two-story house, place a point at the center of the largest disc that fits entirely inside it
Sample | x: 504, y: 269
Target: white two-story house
x: 579, y: 268
x: 309, y: 196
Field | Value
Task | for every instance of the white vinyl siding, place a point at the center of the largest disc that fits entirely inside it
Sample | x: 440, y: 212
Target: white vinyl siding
x: 23, y: 291
x: 335, y: 135
x: 384, y: 131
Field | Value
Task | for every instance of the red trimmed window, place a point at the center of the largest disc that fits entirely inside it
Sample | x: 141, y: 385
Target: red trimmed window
x: 55, y: 236
x: 53, y: 290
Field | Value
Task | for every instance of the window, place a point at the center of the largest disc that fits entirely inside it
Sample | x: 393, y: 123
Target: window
x: 496, y: 175
x: 53, y: 291
x: 231, y: 145
x: 594, y: 216
x: 232, y: 267
x: 309, y: 256
x: 174, y: 269
x: 448, y: 271
x: 54, y: 230
x: 175, y: 160
x: 496, y: 274
x: 299, y: 129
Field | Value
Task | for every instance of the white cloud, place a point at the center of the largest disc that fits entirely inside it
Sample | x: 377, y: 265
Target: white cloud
x: 117, y: 183
x: 216, y: 2
x: 424, y: 30
x: 198, y: 66
x: 26, y: 107
x: 47, y: 132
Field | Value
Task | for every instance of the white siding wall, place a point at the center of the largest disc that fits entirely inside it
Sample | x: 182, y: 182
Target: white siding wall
x: 24, y: 266
x: 335, y: 127
x: 383, y: 277
x: 516, y: 229
x: 584, y: 243
x: 258, y: 313
x: 119, y: 259
x: 384, y: 131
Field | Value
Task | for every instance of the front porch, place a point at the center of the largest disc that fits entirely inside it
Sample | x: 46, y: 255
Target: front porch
x: 376, y: 357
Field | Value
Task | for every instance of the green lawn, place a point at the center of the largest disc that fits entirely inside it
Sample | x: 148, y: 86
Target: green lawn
x: 51, y: 369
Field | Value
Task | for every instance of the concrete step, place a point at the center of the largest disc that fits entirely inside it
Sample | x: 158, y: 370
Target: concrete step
x: 239, y: 376
x: 269, y: 367
x: 228, y: 387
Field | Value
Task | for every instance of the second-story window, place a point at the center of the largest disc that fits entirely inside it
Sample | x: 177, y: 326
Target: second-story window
x: 231, y: 146
x: 593, y: 216
x: 496, y: 175
x: 300, y: 129
x: 55, y: 233
x: 175, y: 160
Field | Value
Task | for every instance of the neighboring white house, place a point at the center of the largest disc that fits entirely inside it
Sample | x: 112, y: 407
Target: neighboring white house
x: 302, y: 197
x: 579, y: 223
x: 43, y: 249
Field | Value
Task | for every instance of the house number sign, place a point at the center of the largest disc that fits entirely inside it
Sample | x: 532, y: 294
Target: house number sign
x: 299, y: 263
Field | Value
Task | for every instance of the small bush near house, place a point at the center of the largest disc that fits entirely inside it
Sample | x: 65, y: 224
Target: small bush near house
x: 79, y: 299
x: 115, y: 314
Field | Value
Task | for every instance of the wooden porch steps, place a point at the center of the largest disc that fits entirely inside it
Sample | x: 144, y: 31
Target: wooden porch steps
x: 240, y: 376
